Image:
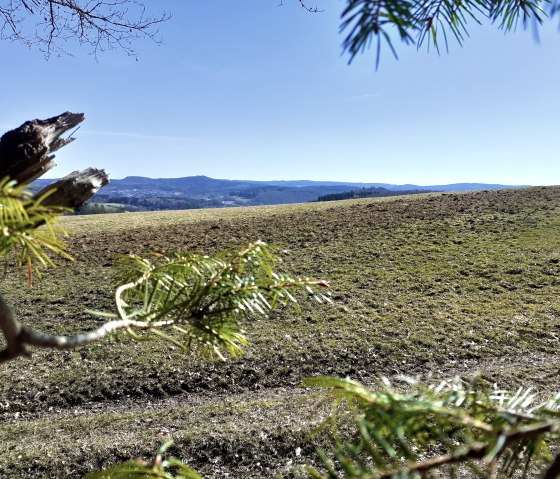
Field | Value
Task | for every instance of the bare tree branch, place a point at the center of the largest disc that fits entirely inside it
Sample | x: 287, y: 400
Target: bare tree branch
x: 98, y: 24
x: 11, y: 329
x: 305, y: 6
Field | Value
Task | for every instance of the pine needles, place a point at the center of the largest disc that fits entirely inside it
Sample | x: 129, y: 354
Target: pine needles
x: 449, y: 425
x: 416, y: 22
x: 29, y: 230
x: 193, y: 300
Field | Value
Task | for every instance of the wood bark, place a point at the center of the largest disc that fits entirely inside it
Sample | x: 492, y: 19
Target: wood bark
x: 26, y: 153
x: 76, y: 188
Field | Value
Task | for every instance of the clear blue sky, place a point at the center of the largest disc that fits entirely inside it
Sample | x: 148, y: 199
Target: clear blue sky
x: 250, y: 90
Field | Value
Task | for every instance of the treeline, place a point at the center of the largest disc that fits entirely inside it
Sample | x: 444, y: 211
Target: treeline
x: 158, y: 203
x: 98, y: 209
x: 373, y: 192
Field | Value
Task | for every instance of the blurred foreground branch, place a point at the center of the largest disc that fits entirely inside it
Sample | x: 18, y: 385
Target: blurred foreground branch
x: 441, y: 427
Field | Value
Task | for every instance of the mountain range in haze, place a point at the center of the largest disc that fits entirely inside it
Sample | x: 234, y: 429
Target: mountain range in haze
x: 141, y: 193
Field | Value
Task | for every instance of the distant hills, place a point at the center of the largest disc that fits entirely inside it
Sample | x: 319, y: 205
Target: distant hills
x: 138, y: 193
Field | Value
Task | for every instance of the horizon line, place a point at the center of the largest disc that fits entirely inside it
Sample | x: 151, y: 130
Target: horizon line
x: 350, y: 182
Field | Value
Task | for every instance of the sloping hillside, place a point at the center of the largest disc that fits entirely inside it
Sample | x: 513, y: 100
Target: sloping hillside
x: 432, y: 285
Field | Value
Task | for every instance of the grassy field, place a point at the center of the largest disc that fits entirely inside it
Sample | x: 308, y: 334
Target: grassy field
x: 429, y: 286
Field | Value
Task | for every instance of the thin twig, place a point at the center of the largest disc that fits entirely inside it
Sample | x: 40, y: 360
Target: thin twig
x: 304, y: 6
x: 18, y: 337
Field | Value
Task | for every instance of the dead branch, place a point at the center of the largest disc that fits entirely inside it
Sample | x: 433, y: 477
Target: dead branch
x: 26, y: 153
x: 305, y: 6
x: 98, y: 24
x: 75, y: 189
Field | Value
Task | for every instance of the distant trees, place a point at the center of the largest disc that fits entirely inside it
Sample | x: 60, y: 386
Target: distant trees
x: 97, y: 209
x: 372, y: 192
x: 159, y: 203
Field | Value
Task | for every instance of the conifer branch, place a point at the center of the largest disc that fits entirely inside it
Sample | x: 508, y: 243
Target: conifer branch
x: 506, y: 431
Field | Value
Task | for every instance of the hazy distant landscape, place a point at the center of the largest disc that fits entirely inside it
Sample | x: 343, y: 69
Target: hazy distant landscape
x: 136, y: 193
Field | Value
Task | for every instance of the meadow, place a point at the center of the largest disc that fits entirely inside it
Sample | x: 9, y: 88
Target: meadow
x: 429, y: 286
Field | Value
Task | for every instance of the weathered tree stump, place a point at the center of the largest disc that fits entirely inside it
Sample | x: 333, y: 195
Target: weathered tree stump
x: 27, y: 153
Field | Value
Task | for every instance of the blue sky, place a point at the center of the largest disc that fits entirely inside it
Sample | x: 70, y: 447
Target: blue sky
x: 250, y: 90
